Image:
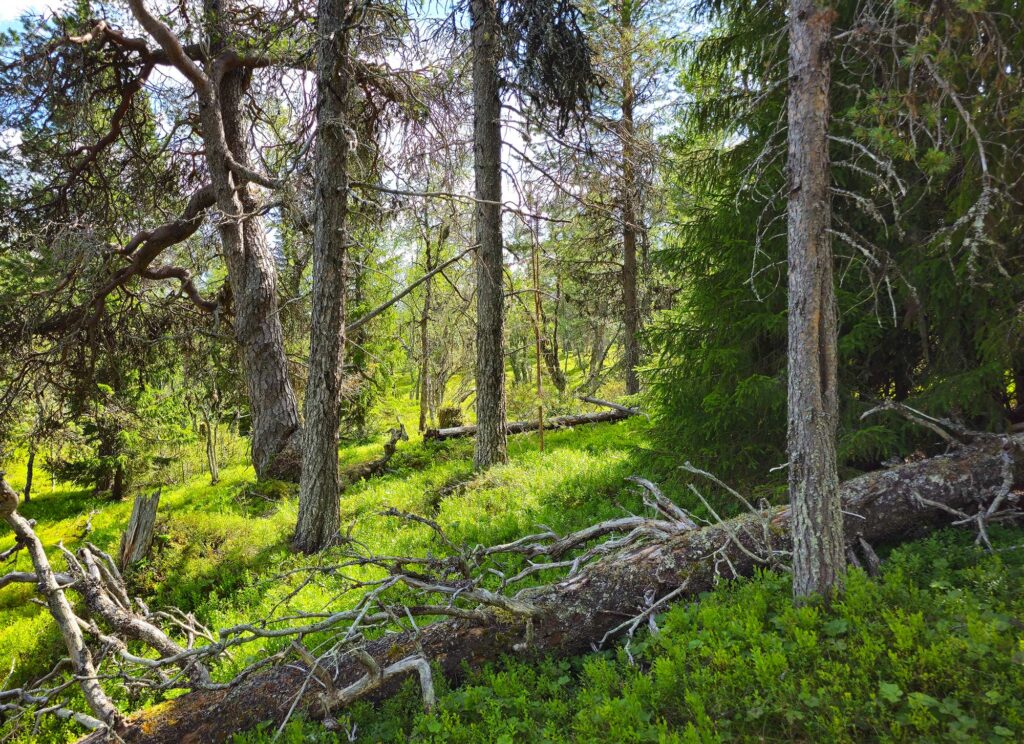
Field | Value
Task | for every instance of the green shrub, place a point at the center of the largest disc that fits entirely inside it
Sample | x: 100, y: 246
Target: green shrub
x: 931, y: 651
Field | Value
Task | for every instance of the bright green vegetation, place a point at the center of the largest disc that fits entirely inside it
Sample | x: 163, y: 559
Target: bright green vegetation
x: 932, y: 650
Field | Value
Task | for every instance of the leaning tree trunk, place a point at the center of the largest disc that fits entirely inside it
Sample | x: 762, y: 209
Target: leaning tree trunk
x: 813, y: 401
x: 319, y: 519
x: 250, y: 264
x: 253, y: 277
x: 627, y: 134
x: 572, y: 616
x: 490, y: 306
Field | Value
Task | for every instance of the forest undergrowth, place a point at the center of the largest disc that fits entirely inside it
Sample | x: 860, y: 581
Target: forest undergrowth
x: 932, y: 650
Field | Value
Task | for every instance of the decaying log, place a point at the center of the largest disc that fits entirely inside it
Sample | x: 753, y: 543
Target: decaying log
x: 628, y: 411
x: 363, y: 470
x: 137, y: 538
x: 520, y: 427
x: 576, y: 613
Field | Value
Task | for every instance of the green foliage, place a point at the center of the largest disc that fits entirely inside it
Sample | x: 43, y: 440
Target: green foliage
x: 930, y: 651
x: 929, y: 312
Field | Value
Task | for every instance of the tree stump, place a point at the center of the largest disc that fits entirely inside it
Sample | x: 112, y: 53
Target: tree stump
x: 138, y: 536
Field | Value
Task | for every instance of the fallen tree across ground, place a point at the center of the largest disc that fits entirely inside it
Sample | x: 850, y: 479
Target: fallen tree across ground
x: 521, y: 427
x: 363, y: 470
x: 653, y: 560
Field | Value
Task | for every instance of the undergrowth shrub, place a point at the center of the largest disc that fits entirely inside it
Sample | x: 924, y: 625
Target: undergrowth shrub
x: 931, y: 651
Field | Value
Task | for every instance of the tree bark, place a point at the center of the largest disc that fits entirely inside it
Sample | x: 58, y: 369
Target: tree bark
x: 137, y: 538
x: 491, y: 446
x: 520, y: 427
x: 885, y: 507
x: 319, y: 519
x: 818, y: 555
x: 253, y: 277
x: 30, y: 470
x: 627, y: 135
x: 250, y: 263
x: 424, y: 381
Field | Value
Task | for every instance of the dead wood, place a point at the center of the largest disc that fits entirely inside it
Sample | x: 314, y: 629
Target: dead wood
x: 520, y: 427
x: 80, y: 657
x: 137, y: 538
x: 660, y: 559
x: 363, y: 470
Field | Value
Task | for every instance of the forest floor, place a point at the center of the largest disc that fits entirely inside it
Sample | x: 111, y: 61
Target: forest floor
x: 932, y: 650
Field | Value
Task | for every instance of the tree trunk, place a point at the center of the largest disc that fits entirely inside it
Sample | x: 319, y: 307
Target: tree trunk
x: 319, y: 515
x: 253, y: 277
x: 425, y: 341
x: 549, y: 344
x: 818, y: 557
x: 597, y: 351
x: 30, y: 470
x: 627, y: 134
x: 490, y: 306
x: 250, y: 264
x: 574, y: 614
x: 519, y: 427
x: 211, y: 448
x: 251, y: 270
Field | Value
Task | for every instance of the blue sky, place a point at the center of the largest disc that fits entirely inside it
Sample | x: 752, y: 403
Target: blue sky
x: 12, y: 10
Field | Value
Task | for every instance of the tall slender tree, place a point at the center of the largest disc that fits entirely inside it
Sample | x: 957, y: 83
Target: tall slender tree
x: 490, y: 305
x: 818, y: 561
x: 319, y: 515
x: 630, y: 215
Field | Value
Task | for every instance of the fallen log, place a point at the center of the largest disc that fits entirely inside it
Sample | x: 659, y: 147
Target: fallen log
x: 574, y: 614
x: 363, y: 470
x: 520, y: 427
x: 609, y: 404
x: 50, y: 586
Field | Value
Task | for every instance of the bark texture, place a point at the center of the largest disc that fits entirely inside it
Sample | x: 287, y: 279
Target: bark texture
x: 490, y: 299
x: 519, y: 427
x: 251, y: 270
x: 137, y: 538
x: 627, y: 136
x: 78, y: 653
x: 319, y: 519
x: 253, y: 277
x: 891, y: 506
x: 818, y: 556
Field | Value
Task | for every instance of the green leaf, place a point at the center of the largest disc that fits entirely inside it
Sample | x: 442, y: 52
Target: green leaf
x: 890, y: 692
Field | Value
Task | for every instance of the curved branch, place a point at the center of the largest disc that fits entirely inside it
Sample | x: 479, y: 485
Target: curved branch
x: 171, y: 45
x: 143, y: 249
